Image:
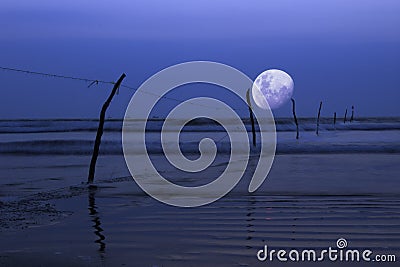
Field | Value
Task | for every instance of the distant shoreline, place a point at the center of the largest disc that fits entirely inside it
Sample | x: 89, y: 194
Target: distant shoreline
x: 160, y: 119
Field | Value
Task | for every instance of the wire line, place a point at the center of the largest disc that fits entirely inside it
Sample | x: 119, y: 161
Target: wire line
x: 94, y: 81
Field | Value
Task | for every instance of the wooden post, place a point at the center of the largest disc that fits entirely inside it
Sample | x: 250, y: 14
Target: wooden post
x: 295, y: 118
x: 352, y: 114
x: 319, y: 114
x: 345, y: 116
x: 100, y: 129
x: 334, y: 120
x: 253, y: 128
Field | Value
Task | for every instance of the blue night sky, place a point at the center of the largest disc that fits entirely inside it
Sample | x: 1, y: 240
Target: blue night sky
x: 339, y: 51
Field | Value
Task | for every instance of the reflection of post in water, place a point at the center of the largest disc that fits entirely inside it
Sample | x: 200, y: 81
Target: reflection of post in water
x: 249, y: 220
x: 96, y: 220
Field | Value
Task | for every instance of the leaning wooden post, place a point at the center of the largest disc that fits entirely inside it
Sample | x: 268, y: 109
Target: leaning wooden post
x: 334, y: 120
x: 100, y: 129
x: 295, y: 118
x: 352, y: 114
x: 319, y: 115
x: 253, y: 128
x: 345, y: 116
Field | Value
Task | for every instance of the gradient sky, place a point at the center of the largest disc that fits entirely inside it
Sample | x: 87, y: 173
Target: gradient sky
x: 339, y: 51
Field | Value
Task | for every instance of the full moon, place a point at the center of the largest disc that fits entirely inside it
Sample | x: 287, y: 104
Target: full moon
x: 274, y: 87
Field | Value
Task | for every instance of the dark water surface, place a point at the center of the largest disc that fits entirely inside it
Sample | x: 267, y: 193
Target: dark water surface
x: 343, y: 184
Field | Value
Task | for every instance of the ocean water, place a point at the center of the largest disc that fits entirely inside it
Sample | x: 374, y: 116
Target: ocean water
x: 76, y: 137
x: 343, y: 183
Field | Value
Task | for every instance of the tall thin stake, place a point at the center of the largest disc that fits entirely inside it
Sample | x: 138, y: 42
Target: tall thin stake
x: 334, y: 120
x: 345, y: 116
x: 295, y: 118
x: 100, y: 129
x: 352, y: 114
x: 253, y: 128
x: 319, y: 115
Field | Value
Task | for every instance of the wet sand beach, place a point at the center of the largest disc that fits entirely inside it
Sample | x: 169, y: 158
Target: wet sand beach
x: 50, y: 217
